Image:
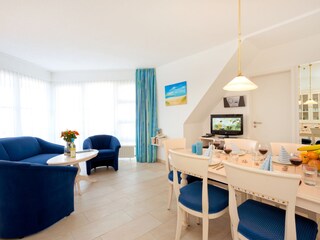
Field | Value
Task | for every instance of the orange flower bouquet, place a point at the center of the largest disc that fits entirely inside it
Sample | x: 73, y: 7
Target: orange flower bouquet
x: 69, y: 135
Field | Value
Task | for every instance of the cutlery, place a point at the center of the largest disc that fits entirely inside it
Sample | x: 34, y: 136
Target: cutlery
x: 217, y: 166
x: 222, y: 166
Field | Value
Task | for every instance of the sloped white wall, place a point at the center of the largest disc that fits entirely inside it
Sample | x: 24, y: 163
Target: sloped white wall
x: 283, y: 57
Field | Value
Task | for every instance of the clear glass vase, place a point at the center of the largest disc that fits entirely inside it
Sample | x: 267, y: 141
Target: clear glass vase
x: 67, y: 149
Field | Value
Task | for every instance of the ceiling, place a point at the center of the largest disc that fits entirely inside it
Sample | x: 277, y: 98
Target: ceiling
x: 64, y: 35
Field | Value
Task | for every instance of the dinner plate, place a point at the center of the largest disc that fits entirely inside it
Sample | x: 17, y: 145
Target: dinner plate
x: 276, y: 160
x: 240, y: 153
x: 214, y: 161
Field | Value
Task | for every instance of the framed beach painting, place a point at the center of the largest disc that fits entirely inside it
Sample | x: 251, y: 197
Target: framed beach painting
x: 176, y: 94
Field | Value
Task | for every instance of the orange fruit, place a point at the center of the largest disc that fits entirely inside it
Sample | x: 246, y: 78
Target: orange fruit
x: 313, y: 155
x: 314, y: 163
x: 304, y: 157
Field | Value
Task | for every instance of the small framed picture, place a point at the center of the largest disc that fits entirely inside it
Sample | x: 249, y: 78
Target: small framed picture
x: 176, y: 94
x: 235, y: 101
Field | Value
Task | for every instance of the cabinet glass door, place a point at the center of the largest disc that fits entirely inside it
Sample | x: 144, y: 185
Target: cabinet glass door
x: 315, y: 107
x: 305, y: 107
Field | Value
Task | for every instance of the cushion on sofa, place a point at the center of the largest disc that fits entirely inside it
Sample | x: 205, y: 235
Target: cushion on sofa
x: 48, y: 147
x: 3, y: 153
x: 19, y: 148
x: 40, y: 158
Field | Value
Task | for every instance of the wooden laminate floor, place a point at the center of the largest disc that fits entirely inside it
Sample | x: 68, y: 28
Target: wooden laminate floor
x: 126, y: 205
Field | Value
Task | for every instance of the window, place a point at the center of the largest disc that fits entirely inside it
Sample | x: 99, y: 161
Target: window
x: 24, y: 106
x: 97, y: 107
x: 32, y: 107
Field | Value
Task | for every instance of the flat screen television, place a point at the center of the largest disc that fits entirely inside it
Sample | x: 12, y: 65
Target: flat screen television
x: 226, y: 124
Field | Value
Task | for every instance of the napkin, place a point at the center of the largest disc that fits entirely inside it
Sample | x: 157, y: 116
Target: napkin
x: 208, y: 152
x: 267, y: 164
x: 235, y: 148
x: 284, y: 156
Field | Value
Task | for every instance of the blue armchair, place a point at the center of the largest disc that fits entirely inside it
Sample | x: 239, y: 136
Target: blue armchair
x: 108, y: 147
x: 33, y: 196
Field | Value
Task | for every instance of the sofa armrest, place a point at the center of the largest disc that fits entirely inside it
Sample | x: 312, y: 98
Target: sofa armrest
x: 48, y: 147
x: 30, y: 192
x: 87, y: 144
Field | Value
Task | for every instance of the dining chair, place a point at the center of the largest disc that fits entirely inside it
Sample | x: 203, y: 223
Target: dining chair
x: 248, y: 145
x: 174, y: 143
x: 289, y: 147
x: 197, y: 198
x: 257, y: 220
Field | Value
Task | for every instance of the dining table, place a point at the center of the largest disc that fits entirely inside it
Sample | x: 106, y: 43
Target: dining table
x: 308, y: 197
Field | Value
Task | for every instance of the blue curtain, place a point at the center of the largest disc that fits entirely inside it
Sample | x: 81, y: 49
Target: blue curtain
x: 146, y: 112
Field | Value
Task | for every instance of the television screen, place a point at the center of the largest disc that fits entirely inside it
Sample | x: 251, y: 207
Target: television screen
x: 227, y: 124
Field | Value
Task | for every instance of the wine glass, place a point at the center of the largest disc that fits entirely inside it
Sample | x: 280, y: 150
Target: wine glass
x: 216, y: 143
x: 263, y: 149
x: 227, y: 149
x: 295, y: 160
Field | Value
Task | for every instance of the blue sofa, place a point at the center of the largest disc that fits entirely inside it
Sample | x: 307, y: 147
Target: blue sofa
x: 33, y: 195
x: 108, y: 147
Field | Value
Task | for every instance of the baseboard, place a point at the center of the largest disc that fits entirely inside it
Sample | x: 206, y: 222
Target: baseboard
x: 161, y: 161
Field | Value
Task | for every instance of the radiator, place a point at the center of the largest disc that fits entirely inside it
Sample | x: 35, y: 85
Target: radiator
x: 126, y: 152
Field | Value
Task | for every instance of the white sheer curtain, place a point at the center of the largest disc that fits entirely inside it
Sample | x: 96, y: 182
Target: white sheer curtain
x: 33, y: 107
x: 95, y: 107
x: 24, y: 106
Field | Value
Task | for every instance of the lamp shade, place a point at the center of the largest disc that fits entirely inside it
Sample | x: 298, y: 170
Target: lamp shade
x: 240, y: 83
x: 310, y: 101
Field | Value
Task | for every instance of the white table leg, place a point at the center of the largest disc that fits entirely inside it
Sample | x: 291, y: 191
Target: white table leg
x: 81, y: 178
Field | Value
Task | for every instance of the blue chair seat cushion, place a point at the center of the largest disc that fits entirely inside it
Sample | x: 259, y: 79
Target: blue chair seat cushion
x: 262, y: 221
x: 190, y: 179
x: 105, y: 154
x: 191, y: 197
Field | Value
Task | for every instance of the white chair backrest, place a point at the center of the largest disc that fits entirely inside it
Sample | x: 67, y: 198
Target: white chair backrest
x: 242, y: 143
x: 275, y: 186
x: 315, y: 131
x: 195, y: 165
x: 173, y: 143
x: 289, y: 147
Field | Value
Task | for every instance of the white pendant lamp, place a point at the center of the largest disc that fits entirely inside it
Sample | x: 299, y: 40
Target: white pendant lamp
x: 239, y: 83
x: 310, y: 100
x: 299, y: 85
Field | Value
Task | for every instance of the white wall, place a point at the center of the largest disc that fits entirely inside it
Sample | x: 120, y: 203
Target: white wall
x: 14, y: 64
x: 199, y: 71
x: 220, y: 109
